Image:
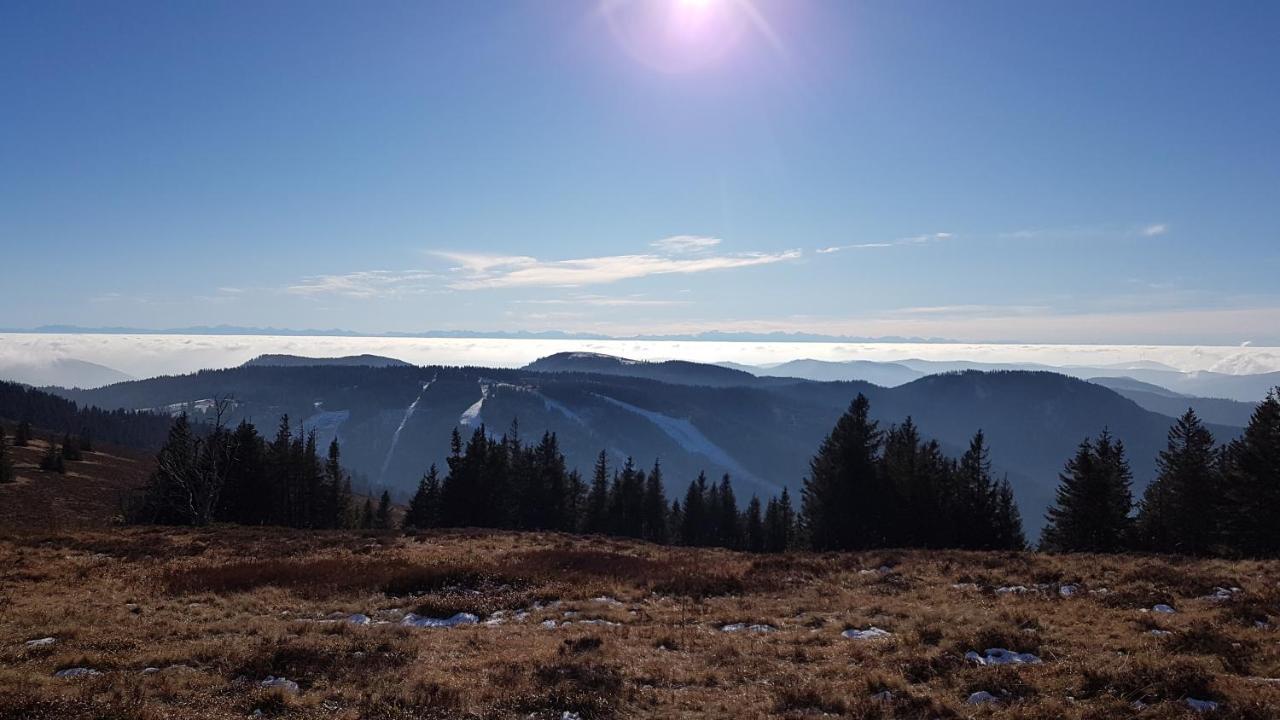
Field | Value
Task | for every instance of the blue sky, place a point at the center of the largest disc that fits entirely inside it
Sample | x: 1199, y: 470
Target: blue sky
x: 1022, y: 171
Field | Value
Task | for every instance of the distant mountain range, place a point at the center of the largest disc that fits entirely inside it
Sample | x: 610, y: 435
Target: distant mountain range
x: 714, y: 335
x: 61, y: 372
x: 1143, y: 375
x: 394, y: 420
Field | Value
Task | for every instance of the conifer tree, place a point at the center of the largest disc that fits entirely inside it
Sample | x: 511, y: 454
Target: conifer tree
x: 1253, y: 483
x: 424, y: 507
x: 693, y: 523
x: 655, y: 506
x: 597, y: 511
x: 6, y: 464
x: 1181, y: 510
x: 86, y: 440
x: 52, y: 460
x: 1091, y: 512
x: 754, y: 522
x: 366, y: 514
x: 335, y: 489
x: 842, y: 499
x: 22, y: 436
x: 70, y: 448
x: 779, y: 523
x: 728, y: 522
x: 975, y: 508
x: 382, y: 517
x: 1007, y: 526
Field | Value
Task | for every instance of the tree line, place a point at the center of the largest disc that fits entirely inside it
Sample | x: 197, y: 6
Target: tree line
x: 1206, y: 499
x: 869, y: 488
x: 37, y: 408
x: 503, y: 482
x: 236, y: 475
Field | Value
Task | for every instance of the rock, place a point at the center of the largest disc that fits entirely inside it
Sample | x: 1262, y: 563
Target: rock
x: 739, y: 627
x: 883, y: 696
x: 1000, y: 656
x: 1201, y: 705
x: 462, y: 618
x: 871, y: 633
x: 1162, y: 608
x: 359, y: 619
x: 76, y: 672
x: 981, y: 698
x: 283, y: 684
x: 1067, y: 591
x: 41, y: 643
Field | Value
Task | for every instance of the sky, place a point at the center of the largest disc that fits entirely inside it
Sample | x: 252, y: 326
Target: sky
x: 1050, y: 172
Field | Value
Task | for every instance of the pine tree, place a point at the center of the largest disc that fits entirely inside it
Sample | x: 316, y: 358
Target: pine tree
x: 1091, y: 512
x: 70, y: 448
x: 1007, y: 526
x: 6, y: 465
x: 754, y: 522
x: 1253, y: 483
x: 693, y: 523
x: 842, y: 499
x: 382, y: 517
x: 779, y: 523
x: 655, y: 506
x: 22, y: 436
x: 425, y: 506
x: 335, y: 489
x: 597, y: 511
x: 728, y: 522
x: 52, y: 461
x: 975, y: 507
x: 1181, y: 510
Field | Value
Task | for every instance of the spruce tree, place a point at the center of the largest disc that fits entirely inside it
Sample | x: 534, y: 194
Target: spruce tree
x: 1007, y: 525
x: 754, y: 530
x: 1093, y: 500
x: 366, y: 514
x: 842, y: 499
x: 693, y: 523
x: 52, y: 460
x: 70, y: 448
x: 22, y: 436
x: 728, y: 522
x: 974, y: 510
x: 382, y: 517
x: 6, y: 465
x: 779, y: 523
x: 597, y: 510
x: 1253, y: 483
x: 655, y: 506
x: 1181, y: 510
x: 424, y: 507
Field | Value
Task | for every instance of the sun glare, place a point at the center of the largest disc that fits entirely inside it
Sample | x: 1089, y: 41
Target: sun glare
x: 678, y: 36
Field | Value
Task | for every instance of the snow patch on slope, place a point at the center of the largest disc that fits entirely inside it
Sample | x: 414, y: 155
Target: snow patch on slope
x: 395, y: 437
x: 688, y: 437
x: 471, y: 416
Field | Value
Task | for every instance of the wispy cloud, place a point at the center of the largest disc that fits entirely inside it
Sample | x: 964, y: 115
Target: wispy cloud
x: 490, y: 271
x: 912, y: 240
x: 677, y: 255
x: 367, y: 284
x: 1155, y: 229
x: 607, y: 301
x: 679, y: 244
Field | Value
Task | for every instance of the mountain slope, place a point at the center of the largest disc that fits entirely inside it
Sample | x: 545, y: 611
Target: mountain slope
x: 347, y: 361
x: 394, y: 422
x: 676, y: 372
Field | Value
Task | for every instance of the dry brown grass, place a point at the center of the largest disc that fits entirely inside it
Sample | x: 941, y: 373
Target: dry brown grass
x: 219, y: 610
